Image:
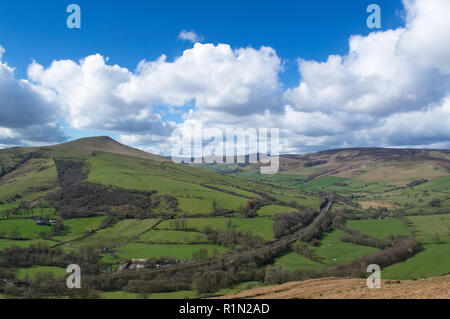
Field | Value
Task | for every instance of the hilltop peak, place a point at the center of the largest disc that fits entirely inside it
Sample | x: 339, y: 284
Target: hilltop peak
x: 104, y: 144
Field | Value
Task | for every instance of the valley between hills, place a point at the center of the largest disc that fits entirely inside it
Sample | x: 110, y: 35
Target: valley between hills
x: 141, y: 226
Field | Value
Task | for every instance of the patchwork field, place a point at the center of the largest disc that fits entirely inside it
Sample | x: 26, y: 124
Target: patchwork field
x: 119, y: 234
x: 380, y: 227
x: 24, y: 243
x: 177, y: 251
x: 428, y: 226
x: 294, y: 261
x: 125, y: 204
x: 34, y: 272
x: 332, y: 250
x: 272, y: 210
x: 172, y: 236
x: 433, y: 261
x: 22, y: 229
x: 258, y: 226
x: 77, y: 227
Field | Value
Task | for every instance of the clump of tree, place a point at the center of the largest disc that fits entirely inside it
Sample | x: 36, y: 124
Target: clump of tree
x: 288, y: 223
x: 435, y: 202
x: 314, y: 232
x: 232, y: 238
x: 58, y: 228
x: 305, y: 249
x: 404, y: 248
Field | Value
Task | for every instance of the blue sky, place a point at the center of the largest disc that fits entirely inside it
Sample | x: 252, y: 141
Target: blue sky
x: 128, y: 32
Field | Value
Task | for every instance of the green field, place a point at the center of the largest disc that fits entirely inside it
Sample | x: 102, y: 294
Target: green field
x: 428, y: 226
x: 171, y: 179
x: 272, y: 210
x: 433, y: 261
x: 172, y: 236
x: 377, y: 180
x: 293, y: 261
x: 6, y: 243
x: 32, y: 177
x: 258, y: 226
x: 33, y: 272
x: 332, y: 250
x: 77, y: 227
x: 178, y: 251
x: 195, y: 205
x: 379, y: 228
x: 121, y: 233
x: 25, y: 228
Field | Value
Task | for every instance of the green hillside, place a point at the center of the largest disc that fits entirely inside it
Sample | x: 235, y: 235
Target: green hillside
x: 205, y: 230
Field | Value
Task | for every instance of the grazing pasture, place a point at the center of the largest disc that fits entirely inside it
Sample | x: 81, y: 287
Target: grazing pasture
x: 380, y: 228
x: 257, y: 226
x: 293, y: 261
x: 332, y: 250
x: 34, y: 272
x: 178, y: 251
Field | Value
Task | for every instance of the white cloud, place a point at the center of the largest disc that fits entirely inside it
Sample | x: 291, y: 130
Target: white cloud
x: 392, y: 88
x: 213, y: 76
x: 84, y: 91
x: 190, y: 36
x: 94, y: 95
x: 387, y: 91
x: 28, y: 115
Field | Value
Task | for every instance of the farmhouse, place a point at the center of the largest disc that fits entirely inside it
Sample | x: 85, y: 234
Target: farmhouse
x: 45, y: 222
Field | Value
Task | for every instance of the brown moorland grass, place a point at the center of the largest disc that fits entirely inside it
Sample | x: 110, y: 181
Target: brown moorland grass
x: 345, y: 288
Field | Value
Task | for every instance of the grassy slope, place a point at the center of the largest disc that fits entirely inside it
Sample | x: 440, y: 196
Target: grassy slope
x: 379, y: 228
x: 172, y: 236
x: 293, y: 261
x: 34, y: 272
x: 332, y: 250
x: 112, y: 164
x: 258, y: 226
x: 434, y: 260
x: 180, y: 251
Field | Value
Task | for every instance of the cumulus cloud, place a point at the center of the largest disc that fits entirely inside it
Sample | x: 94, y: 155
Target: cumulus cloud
x: 28, y: 114
x: 389, y: 90
x: 95, y: 95
x: 392, y: 88
x: 85, y: 92
x: 190, y: 36
x: 213, y: 76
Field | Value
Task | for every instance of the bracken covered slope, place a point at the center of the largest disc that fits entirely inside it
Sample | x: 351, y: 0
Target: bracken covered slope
x: 342, y: 288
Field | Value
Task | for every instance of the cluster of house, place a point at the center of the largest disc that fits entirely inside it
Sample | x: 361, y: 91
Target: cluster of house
x: 135, y: 264
x: 44, y: 221
x: 139, y: 264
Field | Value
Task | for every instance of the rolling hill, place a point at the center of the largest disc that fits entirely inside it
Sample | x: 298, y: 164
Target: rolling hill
x: 203, y: 232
